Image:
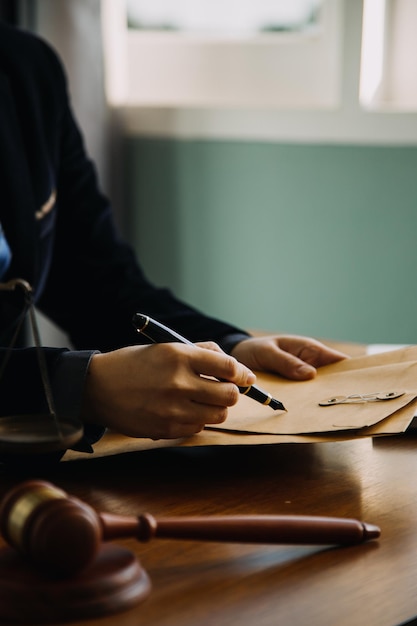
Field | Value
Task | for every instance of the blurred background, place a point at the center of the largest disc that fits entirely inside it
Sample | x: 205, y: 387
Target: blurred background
x: 260, y: 157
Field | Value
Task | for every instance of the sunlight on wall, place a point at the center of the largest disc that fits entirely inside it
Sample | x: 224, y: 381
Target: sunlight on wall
x: 373, y: 40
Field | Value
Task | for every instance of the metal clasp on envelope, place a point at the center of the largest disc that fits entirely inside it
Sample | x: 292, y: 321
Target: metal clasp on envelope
x: 356, y: 398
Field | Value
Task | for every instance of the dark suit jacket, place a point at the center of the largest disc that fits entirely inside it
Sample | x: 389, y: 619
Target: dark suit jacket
x: 62, y: 235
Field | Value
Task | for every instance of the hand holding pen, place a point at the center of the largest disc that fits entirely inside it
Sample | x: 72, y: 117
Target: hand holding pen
x: 164, y: 391
x: 158, y: 333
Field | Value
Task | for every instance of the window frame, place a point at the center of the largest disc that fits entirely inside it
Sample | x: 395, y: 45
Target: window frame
x: 184, y: 70
x: 346, y: 120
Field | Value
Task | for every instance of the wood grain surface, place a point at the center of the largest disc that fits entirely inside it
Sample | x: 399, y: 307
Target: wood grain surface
x: 231, y: 584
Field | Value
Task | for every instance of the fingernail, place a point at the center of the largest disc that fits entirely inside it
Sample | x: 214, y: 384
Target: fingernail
x: 250, y: 377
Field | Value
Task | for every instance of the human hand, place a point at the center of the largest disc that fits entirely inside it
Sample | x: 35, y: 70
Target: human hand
x: 291, y: 356
x: 162, y: 391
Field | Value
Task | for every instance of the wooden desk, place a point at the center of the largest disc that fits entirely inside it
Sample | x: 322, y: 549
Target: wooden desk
x: 212, y: 584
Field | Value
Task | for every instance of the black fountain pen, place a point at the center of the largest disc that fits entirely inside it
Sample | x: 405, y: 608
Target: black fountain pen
x: 158, y: 333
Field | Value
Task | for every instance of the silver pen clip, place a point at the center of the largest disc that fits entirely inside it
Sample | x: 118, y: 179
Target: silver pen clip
x: 357, y: 398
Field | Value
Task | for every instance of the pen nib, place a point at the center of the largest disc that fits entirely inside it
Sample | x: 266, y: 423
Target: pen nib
x: 370, y: 531
x: 277, y: 405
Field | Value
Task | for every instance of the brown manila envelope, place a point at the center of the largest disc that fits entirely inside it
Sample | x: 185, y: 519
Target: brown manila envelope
x: 305, y: 421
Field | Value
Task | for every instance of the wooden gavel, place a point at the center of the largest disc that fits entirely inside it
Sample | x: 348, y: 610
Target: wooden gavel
x: 62, y: 535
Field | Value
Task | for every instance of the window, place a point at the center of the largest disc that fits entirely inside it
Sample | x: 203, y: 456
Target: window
x: 226, y: 17
x: 280, y: 53
x: 334, y: 70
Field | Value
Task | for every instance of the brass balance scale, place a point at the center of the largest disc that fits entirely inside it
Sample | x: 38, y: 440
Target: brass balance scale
x: 34, y: 433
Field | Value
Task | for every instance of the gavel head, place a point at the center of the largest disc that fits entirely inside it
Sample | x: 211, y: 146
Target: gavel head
x: 59, y: 534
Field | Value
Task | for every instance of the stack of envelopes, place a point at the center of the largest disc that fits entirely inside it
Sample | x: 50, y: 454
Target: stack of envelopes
x: 365, y: 396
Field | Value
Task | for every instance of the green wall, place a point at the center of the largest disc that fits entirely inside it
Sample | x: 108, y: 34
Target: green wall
x: 308, y: 239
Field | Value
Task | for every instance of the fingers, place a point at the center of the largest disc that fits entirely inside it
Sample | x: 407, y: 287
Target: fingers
x: 162, y: 391
x: 221, y: 366
x: 292, y: 356
x: 310, y: 351
x: 298, y: 358
x: 294, y: 368
x: 214, y: 384
x: 289, y: 365
x: 210, y: 345
x: 212, y: 398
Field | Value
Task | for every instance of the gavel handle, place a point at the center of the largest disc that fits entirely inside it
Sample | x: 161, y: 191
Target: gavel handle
x: 266, y: 529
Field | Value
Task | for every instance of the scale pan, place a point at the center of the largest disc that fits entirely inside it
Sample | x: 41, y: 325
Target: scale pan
x: 37, y: 434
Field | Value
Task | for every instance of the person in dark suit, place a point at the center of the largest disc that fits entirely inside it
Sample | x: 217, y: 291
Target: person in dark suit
x: 58, y: 234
